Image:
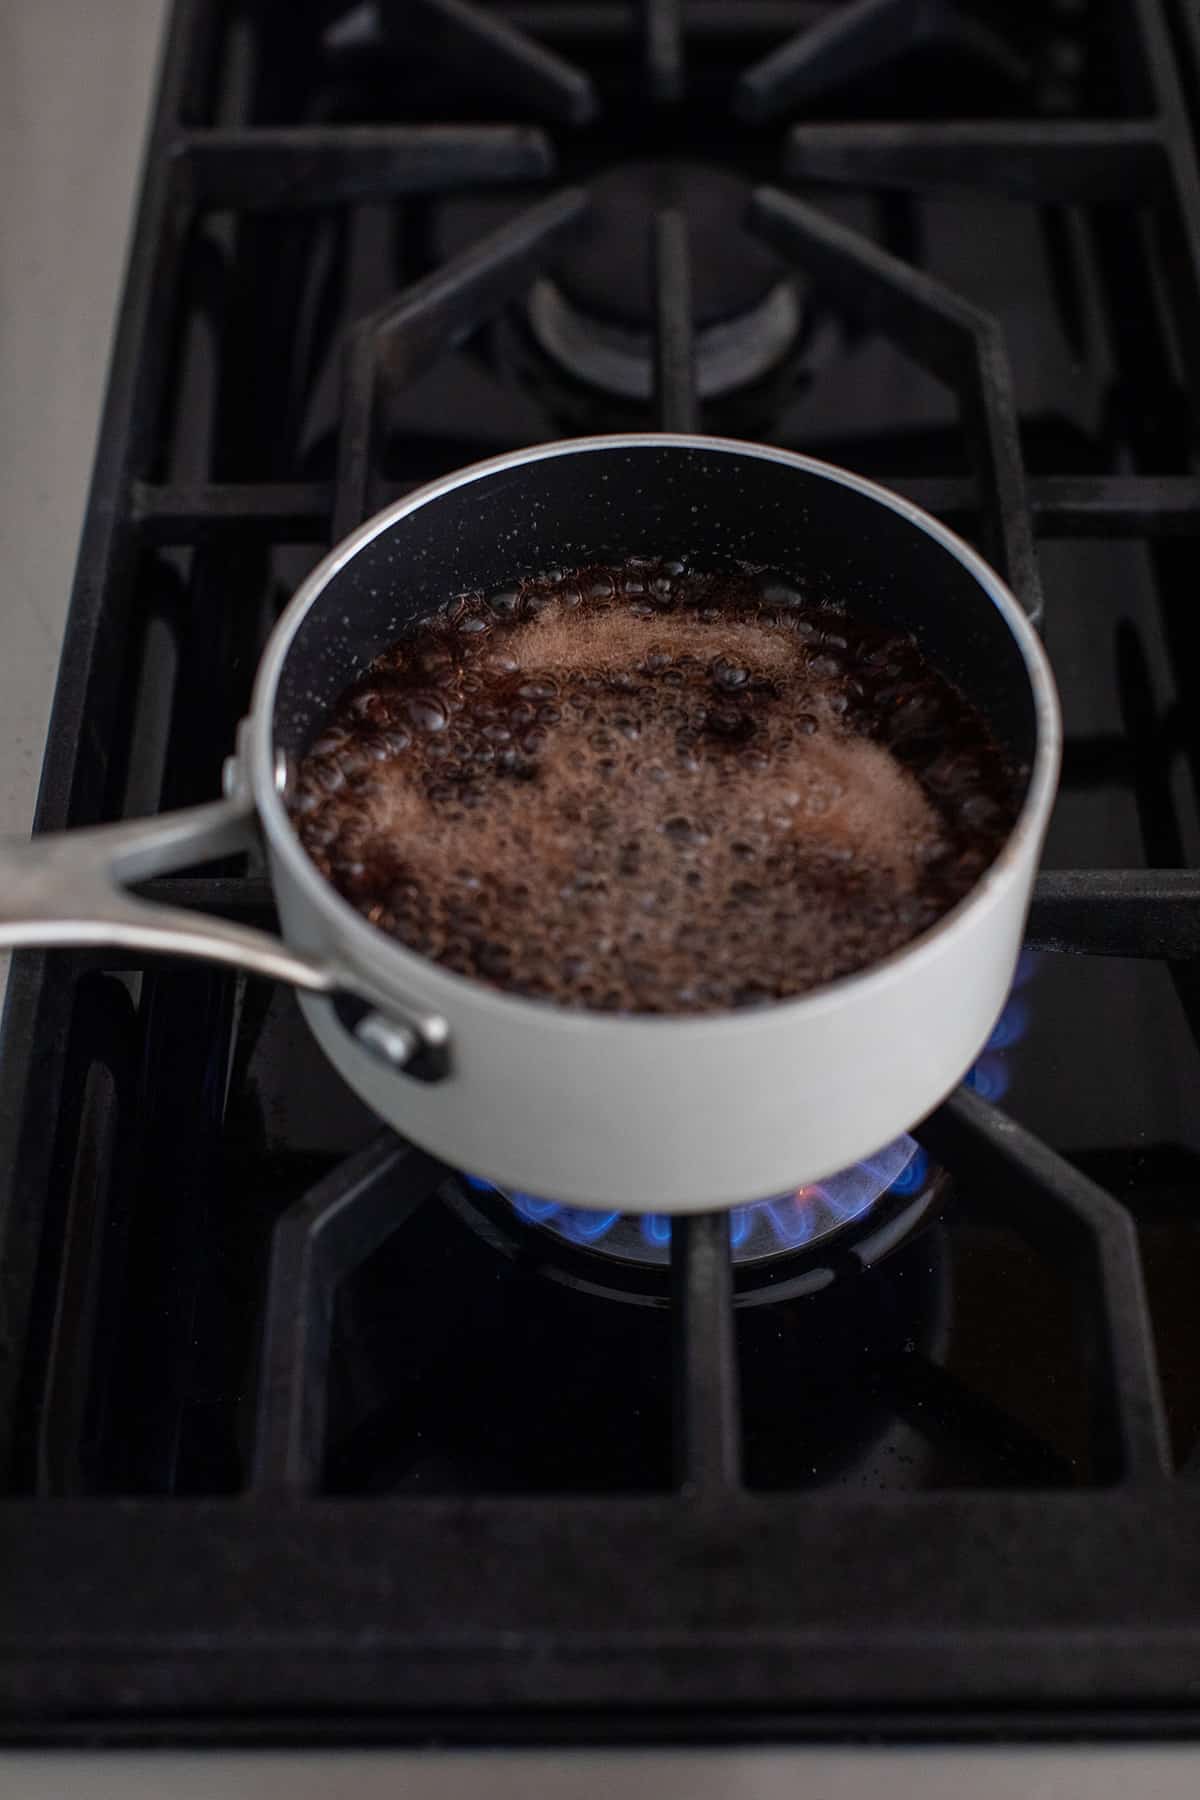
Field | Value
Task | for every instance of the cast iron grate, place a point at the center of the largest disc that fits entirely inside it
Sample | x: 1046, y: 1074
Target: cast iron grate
x: 677, y: 1612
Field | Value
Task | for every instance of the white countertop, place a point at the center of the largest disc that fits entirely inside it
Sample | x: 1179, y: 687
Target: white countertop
x: 76, y: 78
x: 1166, y: 1774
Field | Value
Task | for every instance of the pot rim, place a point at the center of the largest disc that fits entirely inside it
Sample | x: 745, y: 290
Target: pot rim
x: 369, y: 949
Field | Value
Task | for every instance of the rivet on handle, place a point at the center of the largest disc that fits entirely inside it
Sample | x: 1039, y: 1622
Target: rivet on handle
x: 420, y: 1051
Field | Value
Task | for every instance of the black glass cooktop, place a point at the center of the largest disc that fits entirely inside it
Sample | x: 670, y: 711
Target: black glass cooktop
x: 303, y: 1434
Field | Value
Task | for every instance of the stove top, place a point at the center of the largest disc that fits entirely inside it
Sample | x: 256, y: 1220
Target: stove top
x: 303, y: 1435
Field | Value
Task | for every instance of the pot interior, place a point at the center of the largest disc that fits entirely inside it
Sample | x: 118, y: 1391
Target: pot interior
x: 716, y: 506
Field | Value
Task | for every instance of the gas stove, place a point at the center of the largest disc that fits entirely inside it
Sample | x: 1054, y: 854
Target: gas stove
x: 304, y: 1437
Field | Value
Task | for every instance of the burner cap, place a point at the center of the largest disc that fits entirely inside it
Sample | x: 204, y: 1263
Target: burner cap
x: 608, y: 273
x: 595, y: 317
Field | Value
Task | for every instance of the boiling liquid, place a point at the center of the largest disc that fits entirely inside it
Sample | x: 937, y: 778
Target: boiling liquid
x: 645, y: 789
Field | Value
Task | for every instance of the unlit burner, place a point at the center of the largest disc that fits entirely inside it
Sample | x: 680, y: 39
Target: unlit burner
x: 595, y: 318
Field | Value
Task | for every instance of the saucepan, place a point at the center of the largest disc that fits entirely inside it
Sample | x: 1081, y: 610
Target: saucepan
x: 645, y: 1113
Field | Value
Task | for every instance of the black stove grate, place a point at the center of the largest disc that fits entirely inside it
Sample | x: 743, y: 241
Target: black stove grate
x: 145, y: 1600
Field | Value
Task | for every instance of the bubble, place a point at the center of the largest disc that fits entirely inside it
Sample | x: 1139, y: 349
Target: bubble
x: 493, y: 959
x: 425, y: 711
x: 725, y: 722
x: 780, y: 593
x: 369, y: 705
x: 652, y: 790
x: 681, y: 830
x: 328, y: 742
x: 979, y: 812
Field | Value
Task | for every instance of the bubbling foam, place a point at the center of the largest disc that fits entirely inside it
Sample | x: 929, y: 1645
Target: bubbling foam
x: 645, y: 789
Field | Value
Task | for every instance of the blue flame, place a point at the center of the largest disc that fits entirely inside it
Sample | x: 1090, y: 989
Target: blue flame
x: 1012, y: 1024
x: 535, y: 1210
x: 583, y: 1226
x: 795, y: 1219
x: 740, y: 1222
x: 912, y: 1177
x: 989, y: 1078
x: 1027, y: 964
x: 850, y: 1193
x: 792, y: 1220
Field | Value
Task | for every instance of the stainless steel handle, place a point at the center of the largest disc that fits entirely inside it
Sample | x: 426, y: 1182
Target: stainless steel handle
x: 69, y: 890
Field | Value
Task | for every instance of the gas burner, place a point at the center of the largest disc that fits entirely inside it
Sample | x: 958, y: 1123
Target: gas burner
x: 791, y: 1244
x: 595, y: 318
x: 764, y: 1229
